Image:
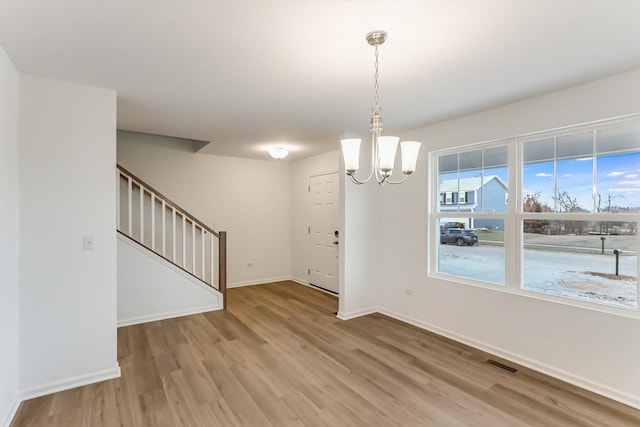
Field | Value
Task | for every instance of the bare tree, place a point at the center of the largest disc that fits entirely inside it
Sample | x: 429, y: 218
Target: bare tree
x: 532, y: 203
x: 566, y: 203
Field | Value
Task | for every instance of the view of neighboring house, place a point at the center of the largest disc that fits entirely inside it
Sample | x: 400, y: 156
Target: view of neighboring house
x: 477, y: 194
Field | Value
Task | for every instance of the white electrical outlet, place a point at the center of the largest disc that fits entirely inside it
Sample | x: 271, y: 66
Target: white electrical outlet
x: 88, y: 243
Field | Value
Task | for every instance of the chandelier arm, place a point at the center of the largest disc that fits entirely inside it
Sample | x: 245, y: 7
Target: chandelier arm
x: 396, y: 182
x: 373, y: 165
x: 356, y: 181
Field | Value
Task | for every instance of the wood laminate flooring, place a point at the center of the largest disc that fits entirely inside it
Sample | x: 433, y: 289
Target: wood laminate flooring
x: 279, y: 357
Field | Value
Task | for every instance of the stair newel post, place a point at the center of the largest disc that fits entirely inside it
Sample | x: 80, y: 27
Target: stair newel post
x: 222, y: 265
x: 118, y: 199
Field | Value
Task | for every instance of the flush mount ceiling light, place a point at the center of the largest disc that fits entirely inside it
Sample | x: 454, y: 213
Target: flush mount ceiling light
x: 383, y: 148
x: 278, y: 152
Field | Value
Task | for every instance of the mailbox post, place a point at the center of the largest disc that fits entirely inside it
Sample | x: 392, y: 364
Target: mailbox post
x: 617, y: 253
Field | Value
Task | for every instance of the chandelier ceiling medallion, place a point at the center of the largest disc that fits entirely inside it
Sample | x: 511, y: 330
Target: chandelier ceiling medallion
x: 383, y: 148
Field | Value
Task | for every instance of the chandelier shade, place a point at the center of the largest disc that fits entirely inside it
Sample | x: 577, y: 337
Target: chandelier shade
x: 351, y: 154
x: 383, y: 148
x: 388, y: 145
x: 409, y: 150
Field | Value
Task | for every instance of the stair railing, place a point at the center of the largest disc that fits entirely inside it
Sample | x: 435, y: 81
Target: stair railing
x: 151, y: 219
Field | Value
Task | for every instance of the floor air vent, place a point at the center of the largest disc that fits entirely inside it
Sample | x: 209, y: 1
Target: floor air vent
x: 502, y: 366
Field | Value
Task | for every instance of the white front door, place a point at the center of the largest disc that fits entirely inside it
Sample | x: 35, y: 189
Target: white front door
x: 323, y: 230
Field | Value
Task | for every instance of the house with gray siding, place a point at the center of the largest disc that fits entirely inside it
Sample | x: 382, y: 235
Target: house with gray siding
x: 477, y: 194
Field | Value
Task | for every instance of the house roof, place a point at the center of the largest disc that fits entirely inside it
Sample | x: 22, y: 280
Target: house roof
x: 469, y: 184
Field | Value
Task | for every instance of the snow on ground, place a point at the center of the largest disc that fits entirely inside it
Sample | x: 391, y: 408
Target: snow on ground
x: 558, y: 273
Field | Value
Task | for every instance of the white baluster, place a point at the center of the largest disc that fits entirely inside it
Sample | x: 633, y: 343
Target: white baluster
x: 174, y: 235
x: 130, y: 205
x: 193, y: 247
x: 141, y: 214
x: 153, y: 222
x: 184, y: 240
x: 164, y: 236
x: 202, y: 237
x: 211, y: 256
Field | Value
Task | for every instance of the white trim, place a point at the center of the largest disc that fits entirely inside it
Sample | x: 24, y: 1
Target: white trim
x: 559, y: 131
x: 72, y: 382
x: 601, y: 389
x: 630, y: 312
x: 258, y: 282
x: 12, y: 413
x: 299, y: 281
x: 170, y: 314
x: 357, y: 313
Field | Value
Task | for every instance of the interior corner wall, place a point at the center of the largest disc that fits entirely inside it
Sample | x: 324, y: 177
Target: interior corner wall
x: 360, y: 243
x: 9, y: 238
x: 249, y: 199
x: 592, y: 349
x: 67, y: 157
x: 301, y: 216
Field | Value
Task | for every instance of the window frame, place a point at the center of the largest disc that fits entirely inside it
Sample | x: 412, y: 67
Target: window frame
x: 514, y: 218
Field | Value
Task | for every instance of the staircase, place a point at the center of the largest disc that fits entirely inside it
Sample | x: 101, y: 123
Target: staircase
x: 152, y: 220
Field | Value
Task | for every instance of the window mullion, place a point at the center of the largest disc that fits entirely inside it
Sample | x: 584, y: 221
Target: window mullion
x: 512, y: 224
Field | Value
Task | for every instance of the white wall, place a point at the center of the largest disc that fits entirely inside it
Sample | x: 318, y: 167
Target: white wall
x: 593, y: 349
x: 250, y: 199
x: 67, y: 190
x: 300, y: 212
x: 150, y: 288
x: 9, y: 238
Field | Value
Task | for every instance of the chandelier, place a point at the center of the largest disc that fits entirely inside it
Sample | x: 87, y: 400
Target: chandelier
x: 383, y: 148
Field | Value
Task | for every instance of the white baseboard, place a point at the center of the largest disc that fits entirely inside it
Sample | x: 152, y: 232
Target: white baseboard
x: 69, y: 383
x: 257, y: 282
x: 299, y: 281
x: 6, y: 422
x: 601, y: 389
x: 358, y: 313
x: 168, y: 315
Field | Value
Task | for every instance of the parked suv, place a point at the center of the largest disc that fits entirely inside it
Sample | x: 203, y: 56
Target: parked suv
x: 459, y: 236
x: 451, y: 224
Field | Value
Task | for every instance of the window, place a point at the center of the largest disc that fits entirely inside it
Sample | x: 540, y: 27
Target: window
x: 483, y: 175
x: 448, y: 198
x: 573, y: 231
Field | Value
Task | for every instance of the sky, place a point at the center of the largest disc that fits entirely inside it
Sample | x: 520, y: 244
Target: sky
x: 617, y: 175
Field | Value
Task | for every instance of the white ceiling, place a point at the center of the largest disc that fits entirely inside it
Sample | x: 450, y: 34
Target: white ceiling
x: 248, y: 74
